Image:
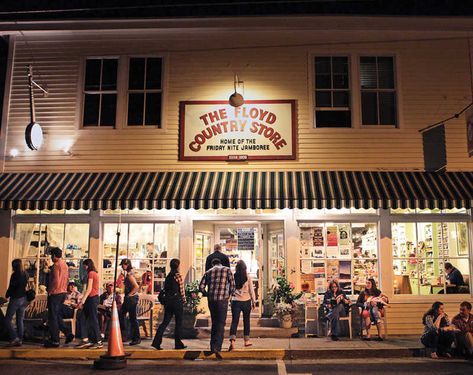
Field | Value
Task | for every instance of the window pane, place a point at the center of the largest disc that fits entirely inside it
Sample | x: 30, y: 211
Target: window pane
x: 153, y: 73
x: 323, y: 81
x: 340, y: 72
x: 153, y: 109
x: 109, y: 74
x: 333, y: 119
x: 91, y: 109
x: 385, y: 73
x: 135, y: 109
x: 387, y: 108
x: 368, y: 72
x: 341, y: 99
x: 92, y: 74
x: 322, y: 65
x: 109, y: 109
x: 369, y: 108
x: 323, y: 99
x: 463, y: 267
x: 76, y: 241
x: 137, y: 74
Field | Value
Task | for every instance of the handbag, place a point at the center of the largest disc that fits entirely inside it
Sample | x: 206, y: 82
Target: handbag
x: 162, y: 298
x: 30, y: 295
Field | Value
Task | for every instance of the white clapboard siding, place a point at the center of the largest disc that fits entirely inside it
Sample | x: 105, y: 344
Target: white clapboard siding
x: 432, y: 86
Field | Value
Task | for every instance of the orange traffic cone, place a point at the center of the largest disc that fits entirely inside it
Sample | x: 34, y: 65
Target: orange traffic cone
x: 115, y: 358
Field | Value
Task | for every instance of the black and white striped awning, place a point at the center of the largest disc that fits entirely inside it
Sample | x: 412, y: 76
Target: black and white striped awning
x: 304, y: 189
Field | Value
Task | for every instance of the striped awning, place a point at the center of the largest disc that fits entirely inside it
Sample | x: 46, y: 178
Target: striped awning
x: 303, y: 189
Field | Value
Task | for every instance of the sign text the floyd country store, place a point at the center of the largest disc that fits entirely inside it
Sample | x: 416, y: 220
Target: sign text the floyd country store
x: 258, y: 130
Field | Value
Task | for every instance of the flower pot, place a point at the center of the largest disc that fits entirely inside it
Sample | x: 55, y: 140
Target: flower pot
x: 188, y: 326
x: 286, y: 321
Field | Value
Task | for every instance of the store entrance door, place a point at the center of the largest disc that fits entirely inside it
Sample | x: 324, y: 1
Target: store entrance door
x: 243, y: 242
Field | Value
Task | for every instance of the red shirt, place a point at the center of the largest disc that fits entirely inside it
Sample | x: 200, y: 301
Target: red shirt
x: 94, y: 279
x: 58, y: 278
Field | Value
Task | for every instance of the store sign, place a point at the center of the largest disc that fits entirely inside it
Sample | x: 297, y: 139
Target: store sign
x: 258, y: 130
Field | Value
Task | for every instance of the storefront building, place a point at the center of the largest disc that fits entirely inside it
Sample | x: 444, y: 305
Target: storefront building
x: 319, y: 173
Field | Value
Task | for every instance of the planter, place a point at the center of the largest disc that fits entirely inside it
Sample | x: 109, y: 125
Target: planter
x: 286, y: 321
x: 188, y: 326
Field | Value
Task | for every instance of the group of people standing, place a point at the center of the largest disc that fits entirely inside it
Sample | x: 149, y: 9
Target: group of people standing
x: 219, y: 285
x: 63, y: 299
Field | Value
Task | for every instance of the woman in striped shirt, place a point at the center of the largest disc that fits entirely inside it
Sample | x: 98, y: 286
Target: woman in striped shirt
x: 173, y: 305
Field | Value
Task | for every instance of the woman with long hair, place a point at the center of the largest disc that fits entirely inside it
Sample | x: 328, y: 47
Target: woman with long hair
x: 371, y: 300
x: 438, y: 333
x: 243, y: 301
x: 334, y: 306
x: 174, y: 300
x: 17, y: 293
x: 130, y: 302
x: 89, y: 303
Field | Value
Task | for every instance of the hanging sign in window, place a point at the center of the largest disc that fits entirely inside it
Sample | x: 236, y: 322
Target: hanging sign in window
x: 258, y: 130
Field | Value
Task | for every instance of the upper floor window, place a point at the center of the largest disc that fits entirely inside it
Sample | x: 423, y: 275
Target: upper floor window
x: 378, y: 91
x: 332, y: 92
x: 100, y: 92
x: 144, y: 91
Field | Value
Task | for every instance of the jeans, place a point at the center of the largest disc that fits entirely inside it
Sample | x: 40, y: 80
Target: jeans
x: 55, y: 318
x: 171, y: 308
x: 237, y: 307
x: 92, y: 319
x: 334, y: 317
x: 17, y: 307
x: 218, y: 314
x: 440, y: 342
x: 129, y: 306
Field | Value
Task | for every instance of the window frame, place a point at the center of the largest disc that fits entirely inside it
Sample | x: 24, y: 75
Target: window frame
x: 121, y: 118
x: 313, y: 88
x: 377, y: 90
x: 144, y: 91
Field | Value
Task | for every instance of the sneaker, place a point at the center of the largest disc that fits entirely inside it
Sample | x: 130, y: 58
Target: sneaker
x: 84, y: 344
x: 334, y: 338
x: 180, y: 346
x: 97, y: 345
x: 51, y: 344
x: 102, y: 336
x: 16, y: 342
x: 135, y: 342
x: 69, y: 338
x: 157, y: 347
x: 218, y: 356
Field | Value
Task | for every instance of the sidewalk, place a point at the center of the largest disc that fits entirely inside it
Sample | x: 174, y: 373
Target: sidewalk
x: 293, y: 348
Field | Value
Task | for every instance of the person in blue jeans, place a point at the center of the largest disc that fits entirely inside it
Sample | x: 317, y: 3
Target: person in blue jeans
x: 243, y: 301
x: 130, y: 302
x: 217, y: 284
x: 17, y: 304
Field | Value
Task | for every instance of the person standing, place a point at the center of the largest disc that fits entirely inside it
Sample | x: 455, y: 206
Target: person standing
x: 243, y: 301
x: 16, y: 292
x: 57, y: 288
x: 89, y: 304
x: 130, y: 302
x: 218, y: 285
x: 334, y: 304
x: 217, y: 254
x: 175, y: 298
x: 464, y: 324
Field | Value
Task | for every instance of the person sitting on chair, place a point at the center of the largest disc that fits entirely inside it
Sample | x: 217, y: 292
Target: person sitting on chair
x: 371, y: 300
x: 454, y: 278
x: 334, y: 304
x: 105, y: 307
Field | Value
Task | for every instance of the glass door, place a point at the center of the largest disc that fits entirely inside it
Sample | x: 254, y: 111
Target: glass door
x: 202, y: 249
x: 242, y: 242
x: 277, y: 256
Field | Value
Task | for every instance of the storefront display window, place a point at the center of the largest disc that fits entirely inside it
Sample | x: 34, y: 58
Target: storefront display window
x: 150, y: 246
x: 347, y: 252
x: 33, y: 239
x: 429, y: 211
x: 52, y: 212
x: 420, y: 251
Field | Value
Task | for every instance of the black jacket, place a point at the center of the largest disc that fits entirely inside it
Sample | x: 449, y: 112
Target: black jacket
x: 217, y: 254
x: 17, y: 286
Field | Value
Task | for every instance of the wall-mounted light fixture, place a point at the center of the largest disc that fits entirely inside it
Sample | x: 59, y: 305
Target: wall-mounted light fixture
x: 14, y: 152
x: 33, y: 131
x: 236, y: 99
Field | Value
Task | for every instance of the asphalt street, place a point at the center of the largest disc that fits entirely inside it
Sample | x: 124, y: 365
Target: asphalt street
x: 332, y: 367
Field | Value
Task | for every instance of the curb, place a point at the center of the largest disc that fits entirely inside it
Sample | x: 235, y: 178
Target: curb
x: 237, y: 354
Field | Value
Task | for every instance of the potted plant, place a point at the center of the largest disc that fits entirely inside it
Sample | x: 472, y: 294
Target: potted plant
x: 284, y: 300
x: 191, y: 310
